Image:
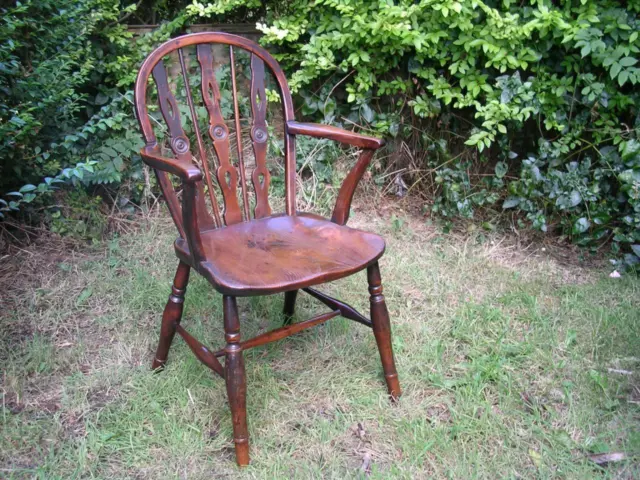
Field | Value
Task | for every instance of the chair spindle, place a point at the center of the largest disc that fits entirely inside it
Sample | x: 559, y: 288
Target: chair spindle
x: 236, y: 114
x: 201, y: 150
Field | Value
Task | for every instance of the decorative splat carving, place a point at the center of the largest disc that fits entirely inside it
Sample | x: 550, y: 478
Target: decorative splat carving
x: 179, y: 141
x: 219, y: 133
x: 201, y: 150
x: 259, y: 136
x: 169, y: 108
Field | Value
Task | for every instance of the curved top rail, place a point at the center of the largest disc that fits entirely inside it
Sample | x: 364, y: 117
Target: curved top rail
x: 194, y: 39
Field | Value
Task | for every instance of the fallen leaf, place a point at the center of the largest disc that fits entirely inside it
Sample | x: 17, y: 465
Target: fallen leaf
x: 536, y: 458
x: 606, y: 458
x: 366, y: 463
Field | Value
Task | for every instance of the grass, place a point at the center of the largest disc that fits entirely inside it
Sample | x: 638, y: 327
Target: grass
x: 508, y: 365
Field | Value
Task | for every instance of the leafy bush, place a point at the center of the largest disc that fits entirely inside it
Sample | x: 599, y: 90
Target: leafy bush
x: 530, y: 106
x: 66, y: 116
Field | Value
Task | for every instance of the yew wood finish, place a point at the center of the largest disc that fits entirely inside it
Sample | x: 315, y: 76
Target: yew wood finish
x: 240, y: 250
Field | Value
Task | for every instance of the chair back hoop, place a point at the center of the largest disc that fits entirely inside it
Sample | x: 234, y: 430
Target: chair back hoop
x: 227, y: 175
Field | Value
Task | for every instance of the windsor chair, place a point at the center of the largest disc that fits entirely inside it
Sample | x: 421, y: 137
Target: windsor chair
x: 249, y: 251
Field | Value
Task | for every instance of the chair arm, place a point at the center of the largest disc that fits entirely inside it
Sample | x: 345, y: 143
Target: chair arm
x: 369, y: 145
x: 190, y: 221
x: 334, y: 133
x: 342, y: 208
x: 189, y: 174
x: 186, y: 171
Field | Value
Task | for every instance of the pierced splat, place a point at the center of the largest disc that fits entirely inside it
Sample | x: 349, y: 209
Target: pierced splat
x: 169, y: 108
x: 219, y: 133
x: 259, y: 135
x: 201, y: 149
x: 179, y: 142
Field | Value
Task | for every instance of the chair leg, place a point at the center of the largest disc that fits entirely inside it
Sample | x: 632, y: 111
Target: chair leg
x: 235, y: 379
x: 382, y: 330
x: 172, y: 314
x: 289, y: 306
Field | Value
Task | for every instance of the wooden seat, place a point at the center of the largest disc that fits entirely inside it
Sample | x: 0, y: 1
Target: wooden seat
x: 278, y: 254
x: 229, y: 234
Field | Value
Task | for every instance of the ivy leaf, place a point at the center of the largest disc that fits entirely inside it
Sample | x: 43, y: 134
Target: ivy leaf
x: 511, y: 202
x: 580, y: 226
x: 110, y: 151
x: 628, y: 61
x: 636, y: 250
x: 586, y: 50
x: 367, y: 113
x: 575, y: 198
x: 501, y: 169
x: 615, y: 70
x: 118, y: 164
x: 623, y: 77
x: 101, y: 99
x: 28, y: 188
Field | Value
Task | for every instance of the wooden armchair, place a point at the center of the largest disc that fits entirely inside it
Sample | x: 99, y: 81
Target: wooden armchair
x: 250, y: 251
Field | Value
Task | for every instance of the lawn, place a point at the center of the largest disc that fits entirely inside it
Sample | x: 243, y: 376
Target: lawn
x: 513, y: 365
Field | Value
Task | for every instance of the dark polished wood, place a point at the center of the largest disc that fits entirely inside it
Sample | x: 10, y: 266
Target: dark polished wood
x: 346, y: 310
x: 277, y: 254
x: 382, y: 330
x: 236, y: 119
x: 334, y: 133
x: 201, y: 352
x: 283, y: 332
x: 289, y: 306
x: 259, y: 136
x: 240, y: 255
x: 172, y: 314
x: 235, y: 379
x: 201, y: 150
x: 341, y: 211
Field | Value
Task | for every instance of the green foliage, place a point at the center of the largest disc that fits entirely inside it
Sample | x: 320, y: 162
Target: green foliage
x: 529, y: 107
x: 49, y: 56
x: 533, y: 106
x: 66, y: 113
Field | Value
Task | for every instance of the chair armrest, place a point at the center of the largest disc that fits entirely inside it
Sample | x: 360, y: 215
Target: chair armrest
x: 186, y: 171
x: 369, y: 145
x: 342, y: 208
x: 190, y: 221
x: 334, y: 133
x: 189, y: 174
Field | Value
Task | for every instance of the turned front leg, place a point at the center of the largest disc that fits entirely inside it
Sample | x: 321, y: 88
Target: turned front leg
x: 382, y: 330
x: 172, y: 314
x: 235, y: 379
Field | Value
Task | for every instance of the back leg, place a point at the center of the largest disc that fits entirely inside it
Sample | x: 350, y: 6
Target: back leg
x: 289, y: 305
x: 172, y: 314
x: 382, y: 330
